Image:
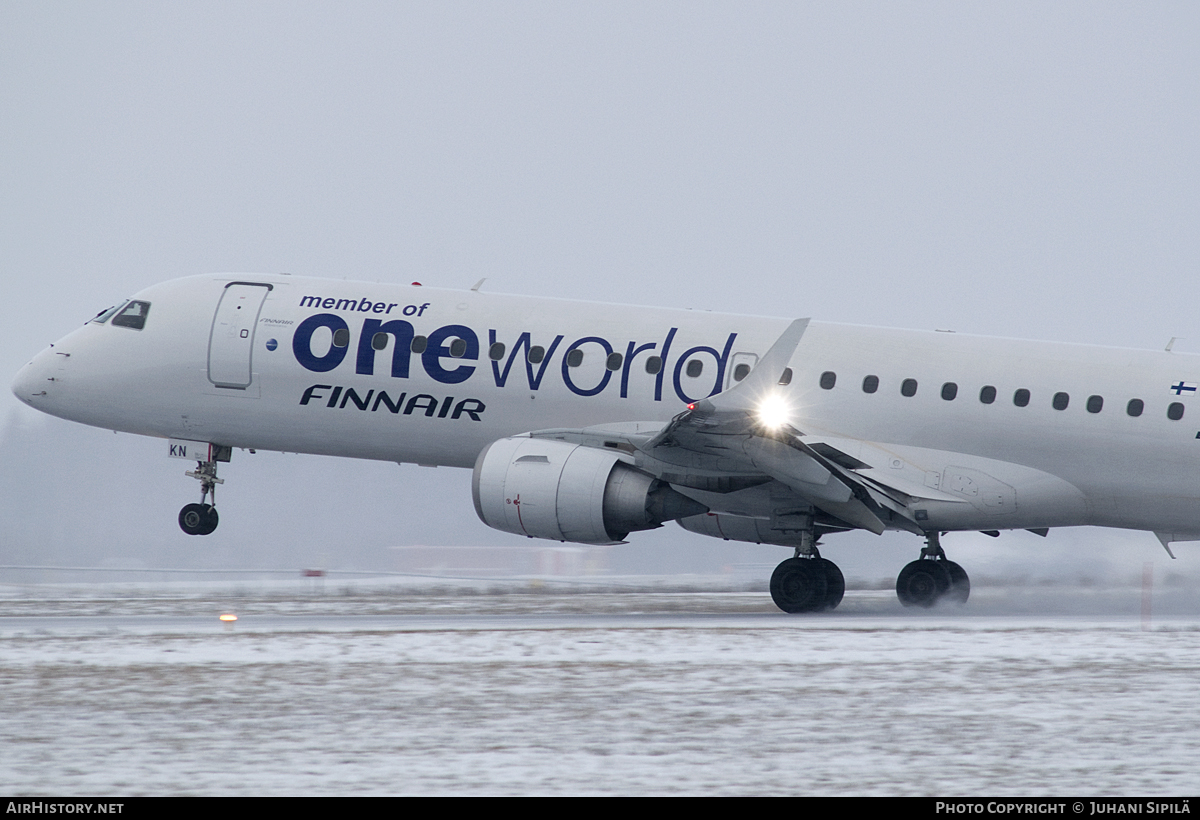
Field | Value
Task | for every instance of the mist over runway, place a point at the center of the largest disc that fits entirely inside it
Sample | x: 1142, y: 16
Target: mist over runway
x: 503, y: 688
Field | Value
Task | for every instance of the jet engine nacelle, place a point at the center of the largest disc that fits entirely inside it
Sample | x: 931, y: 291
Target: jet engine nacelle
x: 544, y: 488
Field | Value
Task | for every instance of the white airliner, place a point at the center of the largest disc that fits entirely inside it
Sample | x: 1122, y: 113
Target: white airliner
x: 585, y: 422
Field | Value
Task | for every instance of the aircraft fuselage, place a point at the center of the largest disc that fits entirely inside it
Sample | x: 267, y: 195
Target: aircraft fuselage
x: 975, y: 432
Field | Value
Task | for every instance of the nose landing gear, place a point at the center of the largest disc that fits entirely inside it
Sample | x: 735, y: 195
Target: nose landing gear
x: 202, y: 518
x: 198, y: 519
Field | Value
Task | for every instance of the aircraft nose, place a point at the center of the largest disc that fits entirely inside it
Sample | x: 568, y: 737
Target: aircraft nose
x: 31, y: 380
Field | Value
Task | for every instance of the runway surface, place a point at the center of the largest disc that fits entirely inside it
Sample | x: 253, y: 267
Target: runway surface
x: 534, y: 691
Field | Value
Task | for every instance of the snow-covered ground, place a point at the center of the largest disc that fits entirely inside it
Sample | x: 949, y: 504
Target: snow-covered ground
x: 559, y: 692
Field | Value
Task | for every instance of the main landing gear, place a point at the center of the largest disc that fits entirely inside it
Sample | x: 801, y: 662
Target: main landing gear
x: 932, y: 577
x: 807, y: 582
x: 810, y: 583
x: 202, y: 519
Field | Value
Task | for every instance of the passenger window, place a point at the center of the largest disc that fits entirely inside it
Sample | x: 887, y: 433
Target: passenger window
x: 458, y: 348
x: 949, y: 391
x: 785, y: 378
x: 379, y: 341
x: 536, y: 354
x: 1021, y: 397
x: 695, y: 367
x: 1060, y: 401
x: 341, y: 337
x: 1175, y: 411
x: 496, y: 351
x: 653, y: 364
x: 828, y: 380
x: 1135, y: 407
x: 614, y: 361
x: 908, y: 387
x: 1095, y: 404
x: 133, y: 315
x: 988, y: 394
x: 870, y: 384
x: 419, y: 343
x: 575, y: 358
x: 741, y: 371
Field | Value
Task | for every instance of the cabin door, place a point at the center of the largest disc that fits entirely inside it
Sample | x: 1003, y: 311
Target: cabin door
x: 231, y: 342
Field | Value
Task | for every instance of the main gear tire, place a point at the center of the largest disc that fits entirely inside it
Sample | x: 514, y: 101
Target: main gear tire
x: 923, y: 583
x: 960, y: 584
x: 835, y: 583
x: 800, y: 585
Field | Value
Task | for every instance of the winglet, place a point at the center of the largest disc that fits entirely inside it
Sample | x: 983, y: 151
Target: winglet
x: 770, y: 370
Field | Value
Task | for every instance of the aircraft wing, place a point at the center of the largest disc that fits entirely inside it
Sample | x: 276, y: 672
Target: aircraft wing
x: 746, y: 435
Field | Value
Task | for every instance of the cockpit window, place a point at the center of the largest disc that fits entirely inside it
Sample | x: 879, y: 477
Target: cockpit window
x: 104, y: 315
x: 132, y: 315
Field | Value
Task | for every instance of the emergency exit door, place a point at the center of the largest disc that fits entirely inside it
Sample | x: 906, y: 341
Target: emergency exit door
x: 231, y: 342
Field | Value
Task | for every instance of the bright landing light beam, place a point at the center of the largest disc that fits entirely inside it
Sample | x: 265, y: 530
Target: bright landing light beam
x: 773, y: 412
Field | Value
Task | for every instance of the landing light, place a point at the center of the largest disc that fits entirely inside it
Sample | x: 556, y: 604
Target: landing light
x: 773, y: 412
x: 228, y: 617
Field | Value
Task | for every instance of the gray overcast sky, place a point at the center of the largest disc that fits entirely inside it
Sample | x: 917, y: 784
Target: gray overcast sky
x: 1018, y: 169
